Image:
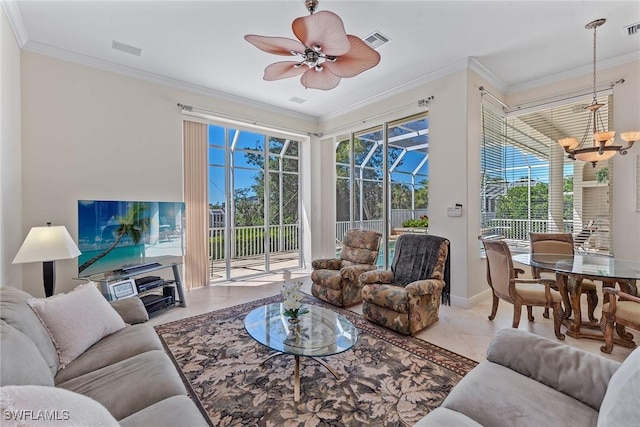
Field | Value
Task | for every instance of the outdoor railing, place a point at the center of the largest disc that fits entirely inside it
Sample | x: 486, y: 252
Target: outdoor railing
x: 398, y: 216
x: 519, y: 229
x: 250, y: 241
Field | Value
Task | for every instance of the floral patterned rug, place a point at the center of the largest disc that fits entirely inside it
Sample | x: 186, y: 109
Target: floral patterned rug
x: 394, y: 380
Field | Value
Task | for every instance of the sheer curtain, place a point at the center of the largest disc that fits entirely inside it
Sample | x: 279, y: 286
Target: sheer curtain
x: 195, y: 196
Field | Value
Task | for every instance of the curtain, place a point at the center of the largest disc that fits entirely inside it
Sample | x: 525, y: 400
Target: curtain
x: 195, y: 195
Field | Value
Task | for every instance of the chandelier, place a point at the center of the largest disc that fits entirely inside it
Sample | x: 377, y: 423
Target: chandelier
x: 327, y: 54
x: 603, y: 147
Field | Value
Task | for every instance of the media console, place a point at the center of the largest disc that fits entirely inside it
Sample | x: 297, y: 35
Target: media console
x: 155, y: 292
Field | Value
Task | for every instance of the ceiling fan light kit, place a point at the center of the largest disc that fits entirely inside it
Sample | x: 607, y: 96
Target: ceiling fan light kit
x: 326, y: 53
x: 602, y: 147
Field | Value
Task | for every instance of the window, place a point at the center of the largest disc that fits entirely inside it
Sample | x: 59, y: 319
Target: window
x: 529, y: 184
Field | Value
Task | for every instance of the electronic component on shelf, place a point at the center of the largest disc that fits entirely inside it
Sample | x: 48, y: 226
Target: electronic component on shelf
x: 149, y: 282
x: 155, y: 302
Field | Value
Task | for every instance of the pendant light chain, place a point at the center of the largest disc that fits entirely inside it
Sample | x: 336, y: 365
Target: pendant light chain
x: 595, y: 28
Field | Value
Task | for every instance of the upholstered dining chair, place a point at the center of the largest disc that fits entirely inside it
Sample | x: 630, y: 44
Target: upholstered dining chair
x: 407, y: 297
x: 622, y: 309
x: 529, y: 292
x: 561, y: 243
x: 335, y: 280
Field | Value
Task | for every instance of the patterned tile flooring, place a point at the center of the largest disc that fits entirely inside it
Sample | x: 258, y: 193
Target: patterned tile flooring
x: 464, y: 331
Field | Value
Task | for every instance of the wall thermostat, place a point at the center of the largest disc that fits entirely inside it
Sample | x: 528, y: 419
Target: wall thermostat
x: 455, y: 210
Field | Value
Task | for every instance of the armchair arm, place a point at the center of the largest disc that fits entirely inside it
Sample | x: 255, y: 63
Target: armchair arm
x: 424, y: 287
x: 131, y: 310
x: 577, y: 373
x: 352, y: 272
x: 610, y: 295
x: 376, y: 276
x: 326, y: 264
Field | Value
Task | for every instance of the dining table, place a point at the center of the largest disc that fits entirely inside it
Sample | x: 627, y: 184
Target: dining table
x: 571, y: 270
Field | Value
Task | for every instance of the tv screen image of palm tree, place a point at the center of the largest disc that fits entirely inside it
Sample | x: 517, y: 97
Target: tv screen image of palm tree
x: 118, y: 234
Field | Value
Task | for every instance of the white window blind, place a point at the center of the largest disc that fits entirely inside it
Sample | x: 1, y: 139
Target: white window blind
x: 529, y: 184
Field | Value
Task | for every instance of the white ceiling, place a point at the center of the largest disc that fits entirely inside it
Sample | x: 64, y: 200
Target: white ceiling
x: 199, y: 44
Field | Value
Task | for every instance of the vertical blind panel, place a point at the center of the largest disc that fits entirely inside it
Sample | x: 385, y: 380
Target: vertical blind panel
x: 195, y: 194
x: 529, y: 184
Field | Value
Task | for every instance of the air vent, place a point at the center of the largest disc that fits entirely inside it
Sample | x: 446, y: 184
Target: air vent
x: 633, y: 29
x: 126, y: 48
x: 376, y: 39
x: 297, y: 100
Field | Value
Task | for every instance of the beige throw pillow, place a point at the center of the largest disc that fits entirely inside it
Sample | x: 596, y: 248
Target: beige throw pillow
x: 77, y: 320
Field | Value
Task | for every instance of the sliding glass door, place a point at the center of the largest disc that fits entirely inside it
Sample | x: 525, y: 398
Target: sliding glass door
x: 253, y: 202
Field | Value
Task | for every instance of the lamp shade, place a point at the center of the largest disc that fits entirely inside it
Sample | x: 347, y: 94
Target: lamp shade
x: 48, y: 243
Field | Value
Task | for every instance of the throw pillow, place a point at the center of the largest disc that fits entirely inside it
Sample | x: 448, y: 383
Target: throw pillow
x: 620, y: 404
x: 32, y: 405
x: 77, y: 320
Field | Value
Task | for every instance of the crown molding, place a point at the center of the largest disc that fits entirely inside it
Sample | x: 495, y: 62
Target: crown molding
x: 12, y: 13
x: 487, y: 75
x: 89, y: 61
x: 575, y: 72
x: 463, y: 64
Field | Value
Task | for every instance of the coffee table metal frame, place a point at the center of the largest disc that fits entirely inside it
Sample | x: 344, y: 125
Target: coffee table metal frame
x: 320, y: 332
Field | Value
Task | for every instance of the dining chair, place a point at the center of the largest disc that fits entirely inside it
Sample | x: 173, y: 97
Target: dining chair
x: 622, y: 309
x: 561, y: 243
x: 528, y: 292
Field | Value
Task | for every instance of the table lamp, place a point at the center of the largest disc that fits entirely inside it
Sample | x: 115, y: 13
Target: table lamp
x: 46, y: 245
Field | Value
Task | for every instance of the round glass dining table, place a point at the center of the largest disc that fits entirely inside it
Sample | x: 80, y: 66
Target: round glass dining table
x: 572, y: 269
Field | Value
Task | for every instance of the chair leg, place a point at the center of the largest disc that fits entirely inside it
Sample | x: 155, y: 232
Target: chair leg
x: 494, y: 307
x: 607, y: 328
x: 530, y: 313
x: 592, y: 302
x: 546, y: 313
x: 557, y: 320
x: 517, y: 313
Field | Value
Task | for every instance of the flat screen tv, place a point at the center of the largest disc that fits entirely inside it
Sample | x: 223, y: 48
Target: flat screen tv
x: 116, y: 235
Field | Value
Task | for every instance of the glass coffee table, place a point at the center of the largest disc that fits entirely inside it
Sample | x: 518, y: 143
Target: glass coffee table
x: 319, y: 333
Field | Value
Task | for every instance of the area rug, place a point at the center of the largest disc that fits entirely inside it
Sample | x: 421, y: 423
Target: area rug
x: 385, y: 380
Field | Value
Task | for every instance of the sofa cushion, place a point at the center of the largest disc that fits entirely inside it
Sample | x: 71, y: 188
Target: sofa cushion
x: 443, y: 417
x: 131, y: 310
x: 496, y: 396
x: 77, y: 320
x: 170, y: 412
x: 51, y: 406
x: 20, y: 361
x: 545, y: 358
x: 132, y: 384
x: 125, y: 343
x: 15, y: 311
x: 620, y: 404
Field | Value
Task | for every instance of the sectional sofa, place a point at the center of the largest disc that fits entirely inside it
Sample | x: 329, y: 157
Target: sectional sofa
x: 125, y: 378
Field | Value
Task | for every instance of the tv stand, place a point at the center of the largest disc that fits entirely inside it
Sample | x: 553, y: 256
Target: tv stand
x: 145, y: 269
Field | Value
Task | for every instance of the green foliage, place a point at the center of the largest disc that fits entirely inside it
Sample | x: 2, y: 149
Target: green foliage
x: 422, y: 222
x: 514, y: 204
x: 602, y: 175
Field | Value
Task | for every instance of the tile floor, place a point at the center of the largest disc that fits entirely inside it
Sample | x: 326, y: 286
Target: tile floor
x: 464, y: 331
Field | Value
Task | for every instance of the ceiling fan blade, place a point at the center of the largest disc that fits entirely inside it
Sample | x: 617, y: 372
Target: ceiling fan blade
x: 360, y: 58
x: 323, y: 80
x: 275, y: 45
x: 283, y: 70
x: 324, y: 29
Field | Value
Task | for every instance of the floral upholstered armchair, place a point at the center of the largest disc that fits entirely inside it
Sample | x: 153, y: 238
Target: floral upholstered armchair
x: 335, y: 280
x: 407, y: 297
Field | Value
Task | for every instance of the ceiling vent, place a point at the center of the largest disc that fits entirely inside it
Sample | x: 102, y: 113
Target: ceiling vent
x: 131, y: 50
x: 297, y: 100
x: 376, y: 39
x: 633, y: 29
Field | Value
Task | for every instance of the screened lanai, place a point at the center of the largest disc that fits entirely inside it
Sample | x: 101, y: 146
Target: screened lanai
x: 400, y: 148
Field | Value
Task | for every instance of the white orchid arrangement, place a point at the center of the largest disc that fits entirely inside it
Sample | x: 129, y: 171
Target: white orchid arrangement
x: 292, y: 298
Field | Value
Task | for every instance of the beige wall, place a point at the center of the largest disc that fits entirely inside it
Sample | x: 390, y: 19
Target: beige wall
x: 11, y: 233
x: 92, y: 134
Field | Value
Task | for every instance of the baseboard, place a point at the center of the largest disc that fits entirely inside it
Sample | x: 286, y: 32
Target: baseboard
x: 470, y: 302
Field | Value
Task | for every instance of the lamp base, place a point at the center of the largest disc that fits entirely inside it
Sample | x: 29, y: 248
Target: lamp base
x: 49, y: 277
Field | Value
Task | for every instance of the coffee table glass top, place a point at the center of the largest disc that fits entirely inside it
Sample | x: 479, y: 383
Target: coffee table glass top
x: 321, y: 332
x: 583, y: 264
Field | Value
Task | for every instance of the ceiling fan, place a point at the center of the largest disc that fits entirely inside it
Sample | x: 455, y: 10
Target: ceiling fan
x: 328, y: 54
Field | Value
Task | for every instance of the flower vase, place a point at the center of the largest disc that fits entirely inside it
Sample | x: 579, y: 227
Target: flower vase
x: 294, y: 324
